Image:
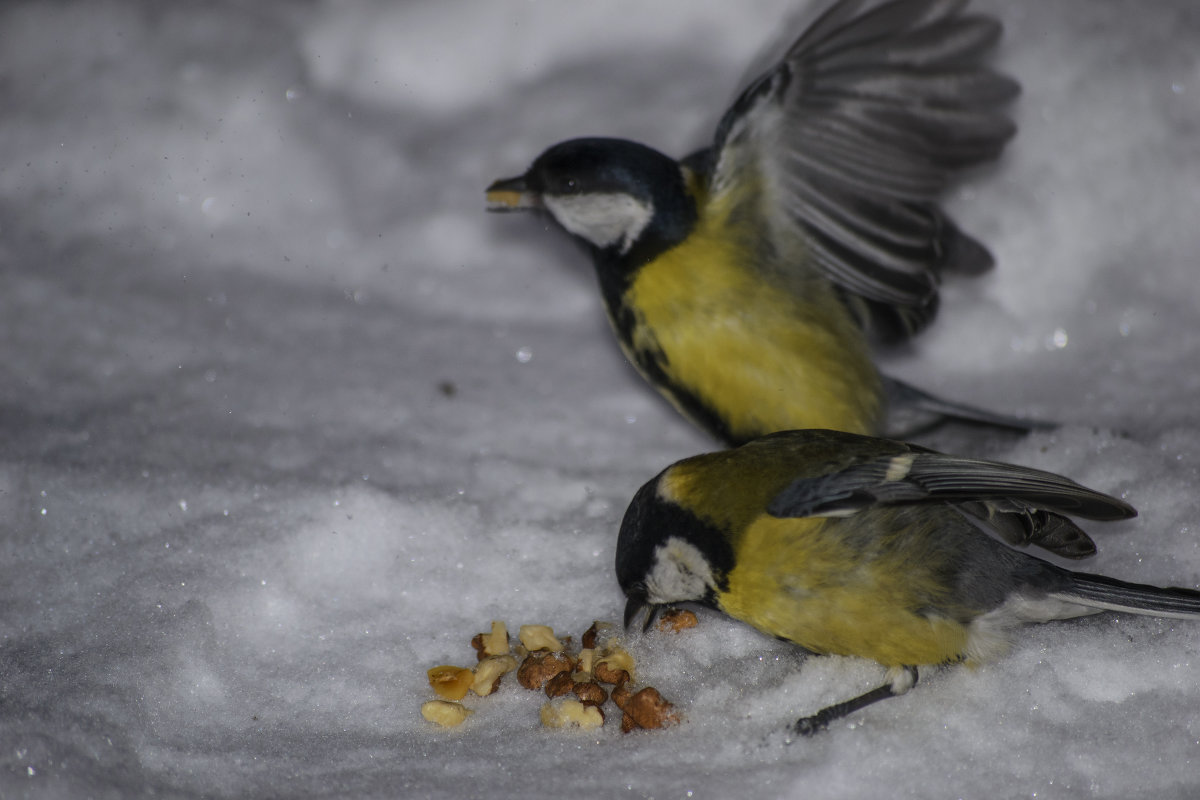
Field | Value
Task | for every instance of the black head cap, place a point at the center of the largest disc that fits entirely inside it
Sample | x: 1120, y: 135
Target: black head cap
x: 577, y: 181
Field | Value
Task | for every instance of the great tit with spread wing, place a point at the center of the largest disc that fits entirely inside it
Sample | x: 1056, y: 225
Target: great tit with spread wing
x: 743, y: 280
x: 858, y: 546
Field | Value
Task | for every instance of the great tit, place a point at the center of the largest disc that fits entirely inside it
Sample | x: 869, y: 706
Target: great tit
x: 742, y: 280
x: 860, y: 546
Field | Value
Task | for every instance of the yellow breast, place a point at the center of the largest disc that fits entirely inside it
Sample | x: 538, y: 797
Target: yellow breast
x: 763, y: 352
x: 802, y: 581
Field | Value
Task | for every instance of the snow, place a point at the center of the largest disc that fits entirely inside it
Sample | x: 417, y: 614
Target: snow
x: 287, y: 418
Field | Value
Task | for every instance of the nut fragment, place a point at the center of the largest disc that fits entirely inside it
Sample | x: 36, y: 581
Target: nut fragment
x: 649, y: 709
x: 606, y: 674
x: 567, y: 713
x: 561, y: 684
x: 538, y: 668
x: 492, y: 644
x: 590, y: 693
x: 677, y: 619
x: 445, y: 713
x: 596, y: 635
x: 614, y: 663
x: 583, y: 665
x: 451, y: 683
x: 539, y: 637
x: 621, y: 694
x: 488, y: 673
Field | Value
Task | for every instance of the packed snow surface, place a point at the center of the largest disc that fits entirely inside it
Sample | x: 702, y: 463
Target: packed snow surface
x: 286, y: 418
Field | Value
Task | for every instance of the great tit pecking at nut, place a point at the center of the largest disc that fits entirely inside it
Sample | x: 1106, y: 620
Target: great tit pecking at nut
x: 858, y: 546
x: 745, y: 281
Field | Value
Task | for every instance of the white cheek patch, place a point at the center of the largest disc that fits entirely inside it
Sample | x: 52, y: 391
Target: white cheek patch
x: 680, y: 572
x: 603, y: 219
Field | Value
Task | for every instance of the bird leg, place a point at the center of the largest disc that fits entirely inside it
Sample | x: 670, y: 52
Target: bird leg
x: 901, y: 679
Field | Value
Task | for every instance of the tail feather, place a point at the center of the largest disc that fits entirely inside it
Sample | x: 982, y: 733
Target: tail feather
x: 914, y: 410
x: 1099, y: 591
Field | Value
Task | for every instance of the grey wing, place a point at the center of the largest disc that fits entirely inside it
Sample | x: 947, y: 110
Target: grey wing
x: 856, y: 133
x: 1021, y: 524
x: 1021, y: 504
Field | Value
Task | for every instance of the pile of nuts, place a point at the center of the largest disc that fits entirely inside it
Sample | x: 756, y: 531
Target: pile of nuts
x: 573, y: 681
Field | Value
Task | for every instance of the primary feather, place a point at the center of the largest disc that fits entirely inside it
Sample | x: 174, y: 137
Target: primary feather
x: 858, y: 130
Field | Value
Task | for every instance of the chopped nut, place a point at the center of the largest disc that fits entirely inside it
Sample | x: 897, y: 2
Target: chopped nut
x: 539, y: 637
x: 650, y: 710
x: 596, y: 635
x: 627, y: 723
x: 451, y: 683
x: 677, y: 619
x: 620, y: 695
x: 488, y: 673
x: 538, y: 668
x: 606, y: 674
x: 614, y: 663
x: 583, y: 664
x: 567, y: 713
x: 492, y: 644
x: 590, y: 693
x: 445, y: 713
x: 561, y: 684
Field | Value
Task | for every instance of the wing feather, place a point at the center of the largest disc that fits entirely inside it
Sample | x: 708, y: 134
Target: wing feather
x: 927, y: 477
x: 858, y: 130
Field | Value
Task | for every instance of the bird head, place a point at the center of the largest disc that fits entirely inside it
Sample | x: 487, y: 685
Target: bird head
x: 617, y: 196
x: 666, y: 554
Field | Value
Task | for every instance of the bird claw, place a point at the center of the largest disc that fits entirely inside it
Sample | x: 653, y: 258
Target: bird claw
x: 810, y: 726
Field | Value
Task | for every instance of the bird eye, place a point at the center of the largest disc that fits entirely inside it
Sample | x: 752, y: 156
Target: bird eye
x: 571, y: 185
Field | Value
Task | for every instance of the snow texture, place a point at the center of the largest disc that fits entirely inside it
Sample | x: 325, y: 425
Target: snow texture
x: 286, y: 418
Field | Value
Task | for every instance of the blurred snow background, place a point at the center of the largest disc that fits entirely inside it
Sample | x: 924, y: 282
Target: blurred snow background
x: 286, y: 418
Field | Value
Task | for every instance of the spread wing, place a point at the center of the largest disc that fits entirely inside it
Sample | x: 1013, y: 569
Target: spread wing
x: 857, y: 131
x: 1023, y: 505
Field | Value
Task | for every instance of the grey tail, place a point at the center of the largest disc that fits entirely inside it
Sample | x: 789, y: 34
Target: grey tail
x: 1101, y: 592
x: 913, y: 411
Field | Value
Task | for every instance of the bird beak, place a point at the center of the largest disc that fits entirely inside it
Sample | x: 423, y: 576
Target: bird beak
x: 512, y: 194
x: 634, y: 606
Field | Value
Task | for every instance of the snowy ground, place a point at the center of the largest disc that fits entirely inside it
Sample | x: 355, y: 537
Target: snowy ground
x: 286, y: 418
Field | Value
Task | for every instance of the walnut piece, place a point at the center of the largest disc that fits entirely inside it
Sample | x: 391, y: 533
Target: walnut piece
x: 494, y: 643
x: 570, y: 713
x: 650, y: 710
x: 561, y: 684
x: 597, y: 635
x: 539, y: 637
x: 615, y: 665
x: 621, y: 694
x: 451, y: 683
x: 583, y: 665
x: 445, y: 713
x: 677, y: 619
x: 538, y: 668
x: 590, y: 693
x: 488, y: 673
